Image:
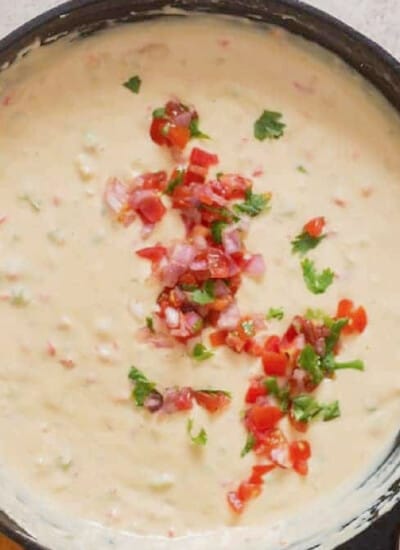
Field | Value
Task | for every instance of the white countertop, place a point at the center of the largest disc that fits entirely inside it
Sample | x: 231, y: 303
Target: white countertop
x: 378, y: 19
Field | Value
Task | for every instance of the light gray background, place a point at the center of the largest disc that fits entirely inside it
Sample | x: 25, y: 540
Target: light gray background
x: 378, y: 19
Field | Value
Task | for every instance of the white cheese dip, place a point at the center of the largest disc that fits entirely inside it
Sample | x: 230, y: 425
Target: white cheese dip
x: 73, y: 294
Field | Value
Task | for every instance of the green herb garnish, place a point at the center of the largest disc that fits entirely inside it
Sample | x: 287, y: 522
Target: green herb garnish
x: 177, y: 180
x: 201, y: 353
x: 254, y: 203
x: 317, y: 283
x: 282, y: 394
x: 275, y: 313
x: 159, y: 113
x: 143, y: 387
x: 216, y: 231
x: 301, y: 169
x: 34, y: 204
x: 199, y: 439
x: 248, y: 446
x: 305, y: 242
x: 269, y: 125
x: 150, y: 324
x: 311, y: 363
x: 305, y: 407
x: 195, y: 132
x: 357, y: 364
x: 205, y: 295
x: 133, y: 84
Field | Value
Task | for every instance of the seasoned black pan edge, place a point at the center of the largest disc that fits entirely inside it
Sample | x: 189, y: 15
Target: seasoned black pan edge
x: 365, y: 56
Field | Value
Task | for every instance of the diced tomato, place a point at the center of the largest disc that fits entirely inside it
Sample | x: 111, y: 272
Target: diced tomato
x: 272, y: 343
x: 300, y: 452
x: 275, y: 364
x: 178, y: 399
x: 155, y: 180
x: 157, y: 132
x: 235, y: 342
x: 232, y: 186
x: 289, y: 336
x: 199, y: 157
x: 274, y: 446
x: 247, y: 490
x: 262, y: 418
x: 178, y: 136
x: 218, y: 338
x: 345, y: 308
x: 218, y: 264
x: 259, y: 471
x: 298, y: 425
x: 151, y: 209
x: 315, y: 226
x: 235, y: 503
x: 212, y: 401
x: 256, y: 389
x: 152, y: 253
x: 253, y: 348
x: 357, y: 317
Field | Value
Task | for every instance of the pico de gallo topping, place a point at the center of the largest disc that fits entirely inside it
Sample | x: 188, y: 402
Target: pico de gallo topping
x: 199, y: 277
x: 174, y: 125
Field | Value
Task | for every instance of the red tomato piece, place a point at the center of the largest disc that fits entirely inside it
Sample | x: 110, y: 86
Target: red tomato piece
x: 262, y: 418
x: 255, y: 390
x: 357, y: 317
x: 154, y: 180
x: 298, y: 425
x: 157, y: 132
x: 315, y: 226
x: 178, y: 136
x: 152, y: 253
x: 235, y: 342
x: 212, y: 402
x: 218, y: 338
x: 218, y: 264
x: 151, y: 209
x: 199, y: 157
x: 253, y: 348
x: 272, y: 343
x: 275, y: 364
x: 300, y: 452
x: 259, y: 471
x: 247, y: 491
x: 178, y: 399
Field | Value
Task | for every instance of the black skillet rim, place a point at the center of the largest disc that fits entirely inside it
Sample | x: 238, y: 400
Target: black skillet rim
x: 362, y: 53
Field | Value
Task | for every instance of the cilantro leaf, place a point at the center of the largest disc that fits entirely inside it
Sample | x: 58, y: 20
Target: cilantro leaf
x: 159, y: 113
x: 150, y: 324
x: 282, y: 394
x: 305, y: 242
x: 205, y: 295
x: 275, y: 313
x: 177, y: 180
x: 330, y: 411
x: 143, y: 387
x: 269, y: 125
x: 300, y: 168
x: 357, y: 364
x: 317, y: 283
x: 216, y: 231
x: 195, y: 132
x: 317, y: 315
x: 33, y: 203
x: 335, y: 327
x: 199, y: 439
x: 254, y: 203
x: 305, y: 407
x: 248, y: 446
x: 133, y: 84
x: 310, y: 362
x: 201, y: 353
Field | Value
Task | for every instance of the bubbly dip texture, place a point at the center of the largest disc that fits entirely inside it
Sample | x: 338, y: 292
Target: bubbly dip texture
x: 74, y: 296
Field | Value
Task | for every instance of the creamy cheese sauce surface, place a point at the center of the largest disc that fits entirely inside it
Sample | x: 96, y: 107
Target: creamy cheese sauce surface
x: 69, y: 278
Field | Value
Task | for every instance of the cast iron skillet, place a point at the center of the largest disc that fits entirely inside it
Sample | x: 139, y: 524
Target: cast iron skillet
x: 365, y: 56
